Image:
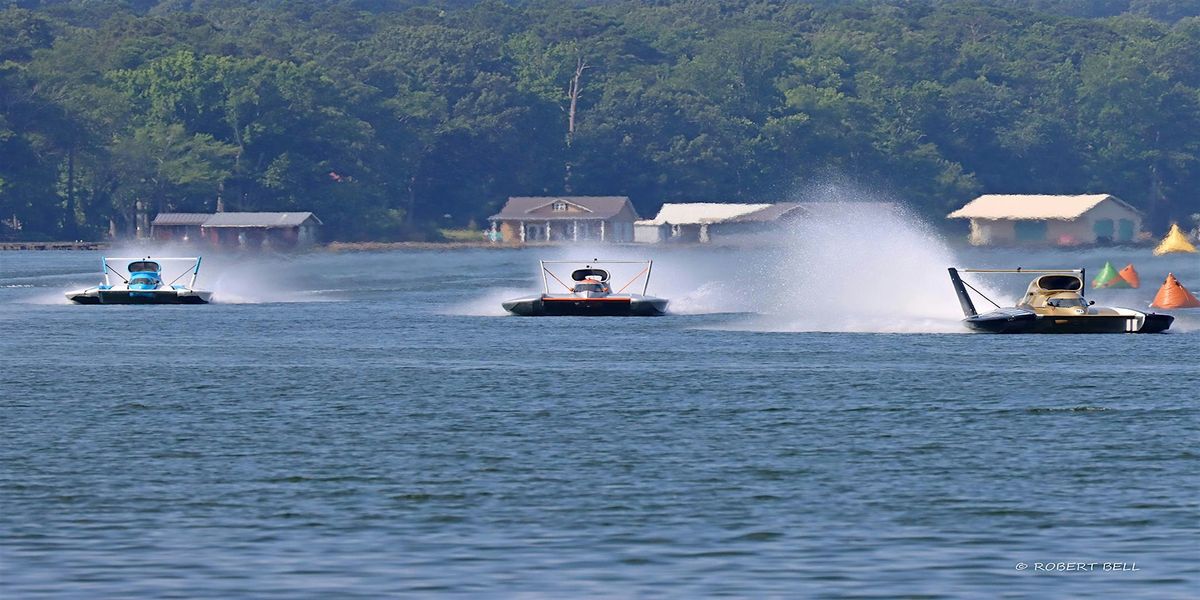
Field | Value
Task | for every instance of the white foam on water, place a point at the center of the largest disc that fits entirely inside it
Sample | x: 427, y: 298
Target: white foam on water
x: 489, y: 304
x: 56, y: 297
x: 1187, y: 320
x: 710, y: 297
x: 262, y: 280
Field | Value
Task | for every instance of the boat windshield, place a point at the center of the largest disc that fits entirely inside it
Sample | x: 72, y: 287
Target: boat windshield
x: 591, y: 286
x: 1065, y: 302
x: 143, y: 266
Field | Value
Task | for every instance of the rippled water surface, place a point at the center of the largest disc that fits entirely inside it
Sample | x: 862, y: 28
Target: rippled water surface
x: 367, y: 425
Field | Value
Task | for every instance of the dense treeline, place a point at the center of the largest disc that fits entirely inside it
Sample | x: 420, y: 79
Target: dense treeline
x: 389, y: 118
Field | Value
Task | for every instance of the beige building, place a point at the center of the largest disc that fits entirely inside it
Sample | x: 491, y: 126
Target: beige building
x: 706, y: 222
x: 565, y: 219
x: 1039, y: 219
x: 689, y: 222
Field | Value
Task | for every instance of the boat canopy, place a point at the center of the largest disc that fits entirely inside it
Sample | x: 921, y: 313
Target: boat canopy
x: 581, y: 274
x: 142, y: 266
x: 591, y: 285
x: 1059, y: 283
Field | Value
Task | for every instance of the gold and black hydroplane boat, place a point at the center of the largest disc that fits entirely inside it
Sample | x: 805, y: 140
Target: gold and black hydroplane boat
x: 1053, y: 303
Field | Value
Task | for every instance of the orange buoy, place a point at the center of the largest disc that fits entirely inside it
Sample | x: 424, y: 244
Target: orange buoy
x: 1130, y: 275
x: 1172, y: 294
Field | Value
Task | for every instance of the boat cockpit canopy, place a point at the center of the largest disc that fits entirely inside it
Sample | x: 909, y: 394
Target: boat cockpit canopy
x: 1070, y: 302
x: 144, y: 266
x: 1059, y: 283
x: 591, y: 285
x: 582, y: 274
x: 148, y: 281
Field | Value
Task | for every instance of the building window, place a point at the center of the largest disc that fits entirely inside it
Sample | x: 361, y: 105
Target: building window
x: 559, y: 207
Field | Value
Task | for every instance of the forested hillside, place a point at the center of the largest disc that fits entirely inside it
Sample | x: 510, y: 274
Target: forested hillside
x: 391, y: 118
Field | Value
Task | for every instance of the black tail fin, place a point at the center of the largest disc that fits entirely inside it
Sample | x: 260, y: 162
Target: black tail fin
x: 964, y: 298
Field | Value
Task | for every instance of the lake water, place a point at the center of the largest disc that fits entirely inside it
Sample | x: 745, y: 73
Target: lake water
x: 807, y: 423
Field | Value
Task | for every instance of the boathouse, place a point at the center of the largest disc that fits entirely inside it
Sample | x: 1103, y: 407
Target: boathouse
x: 565, y: 219
x: 1040, y: 219
x: 182, y: 227
x: 279, y: 230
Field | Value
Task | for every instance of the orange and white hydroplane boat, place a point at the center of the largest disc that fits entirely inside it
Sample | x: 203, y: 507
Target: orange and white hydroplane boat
x: 590, y: 293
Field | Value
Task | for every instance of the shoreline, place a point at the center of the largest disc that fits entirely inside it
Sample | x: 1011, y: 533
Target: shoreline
x: 378, y: 246
x: 330, y: 247
x: 459, y: 245
x: 10, y: 246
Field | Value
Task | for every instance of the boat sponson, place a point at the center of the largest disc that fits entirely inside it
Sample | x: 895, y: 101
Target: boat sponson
x: 138, y: 297
x: 1015, y: 320
x: 587, y: 307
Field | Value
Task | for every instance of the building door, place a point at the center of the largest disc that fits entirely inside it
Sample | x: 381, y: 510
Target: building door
x: 1103, y: 228
x: 1125, y: 230
x: 1030, y: 231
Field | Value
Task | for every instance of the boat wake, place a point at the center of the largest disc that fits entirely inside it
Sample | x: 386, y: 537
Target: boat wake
x: 710, y: 297
x: 1186, y: 320
x: 488, y: 305
x: 49, y: 298
x: 262, y: 282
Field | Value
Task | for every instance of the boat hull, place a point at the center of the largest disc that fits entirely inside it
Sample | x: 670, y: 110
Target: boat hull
x: 1022, y: 321
x: 94, y: 296
x: 623, y: 306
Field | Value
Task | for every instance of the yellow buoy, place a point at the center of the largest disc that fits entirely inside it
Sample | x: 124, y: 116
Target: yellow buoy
x: 1174, y: 242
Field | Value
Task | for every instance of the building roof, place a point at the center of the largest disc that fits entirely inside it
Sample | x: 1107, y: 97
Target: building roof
x: 540, y: 208
x: 695, y: 213
x: 260, y: 219
x: 1032, y: 206
x: 836, y: 210
x: 772, y: 212
x: 164, y: 219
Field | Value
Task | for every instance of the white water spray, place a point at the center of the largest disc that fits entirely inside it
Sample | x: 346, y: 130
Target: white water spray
x: 489, y: 304
x: 858, y: 266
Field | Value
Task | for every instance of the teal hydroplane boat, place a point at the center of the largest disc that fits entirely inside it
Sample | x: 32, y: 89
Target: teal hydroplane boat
x: 145, y: 284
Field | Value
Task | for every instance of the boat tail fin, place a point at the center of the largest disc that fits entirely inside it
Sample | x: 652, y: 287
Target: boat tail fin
x: 964, y: 299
